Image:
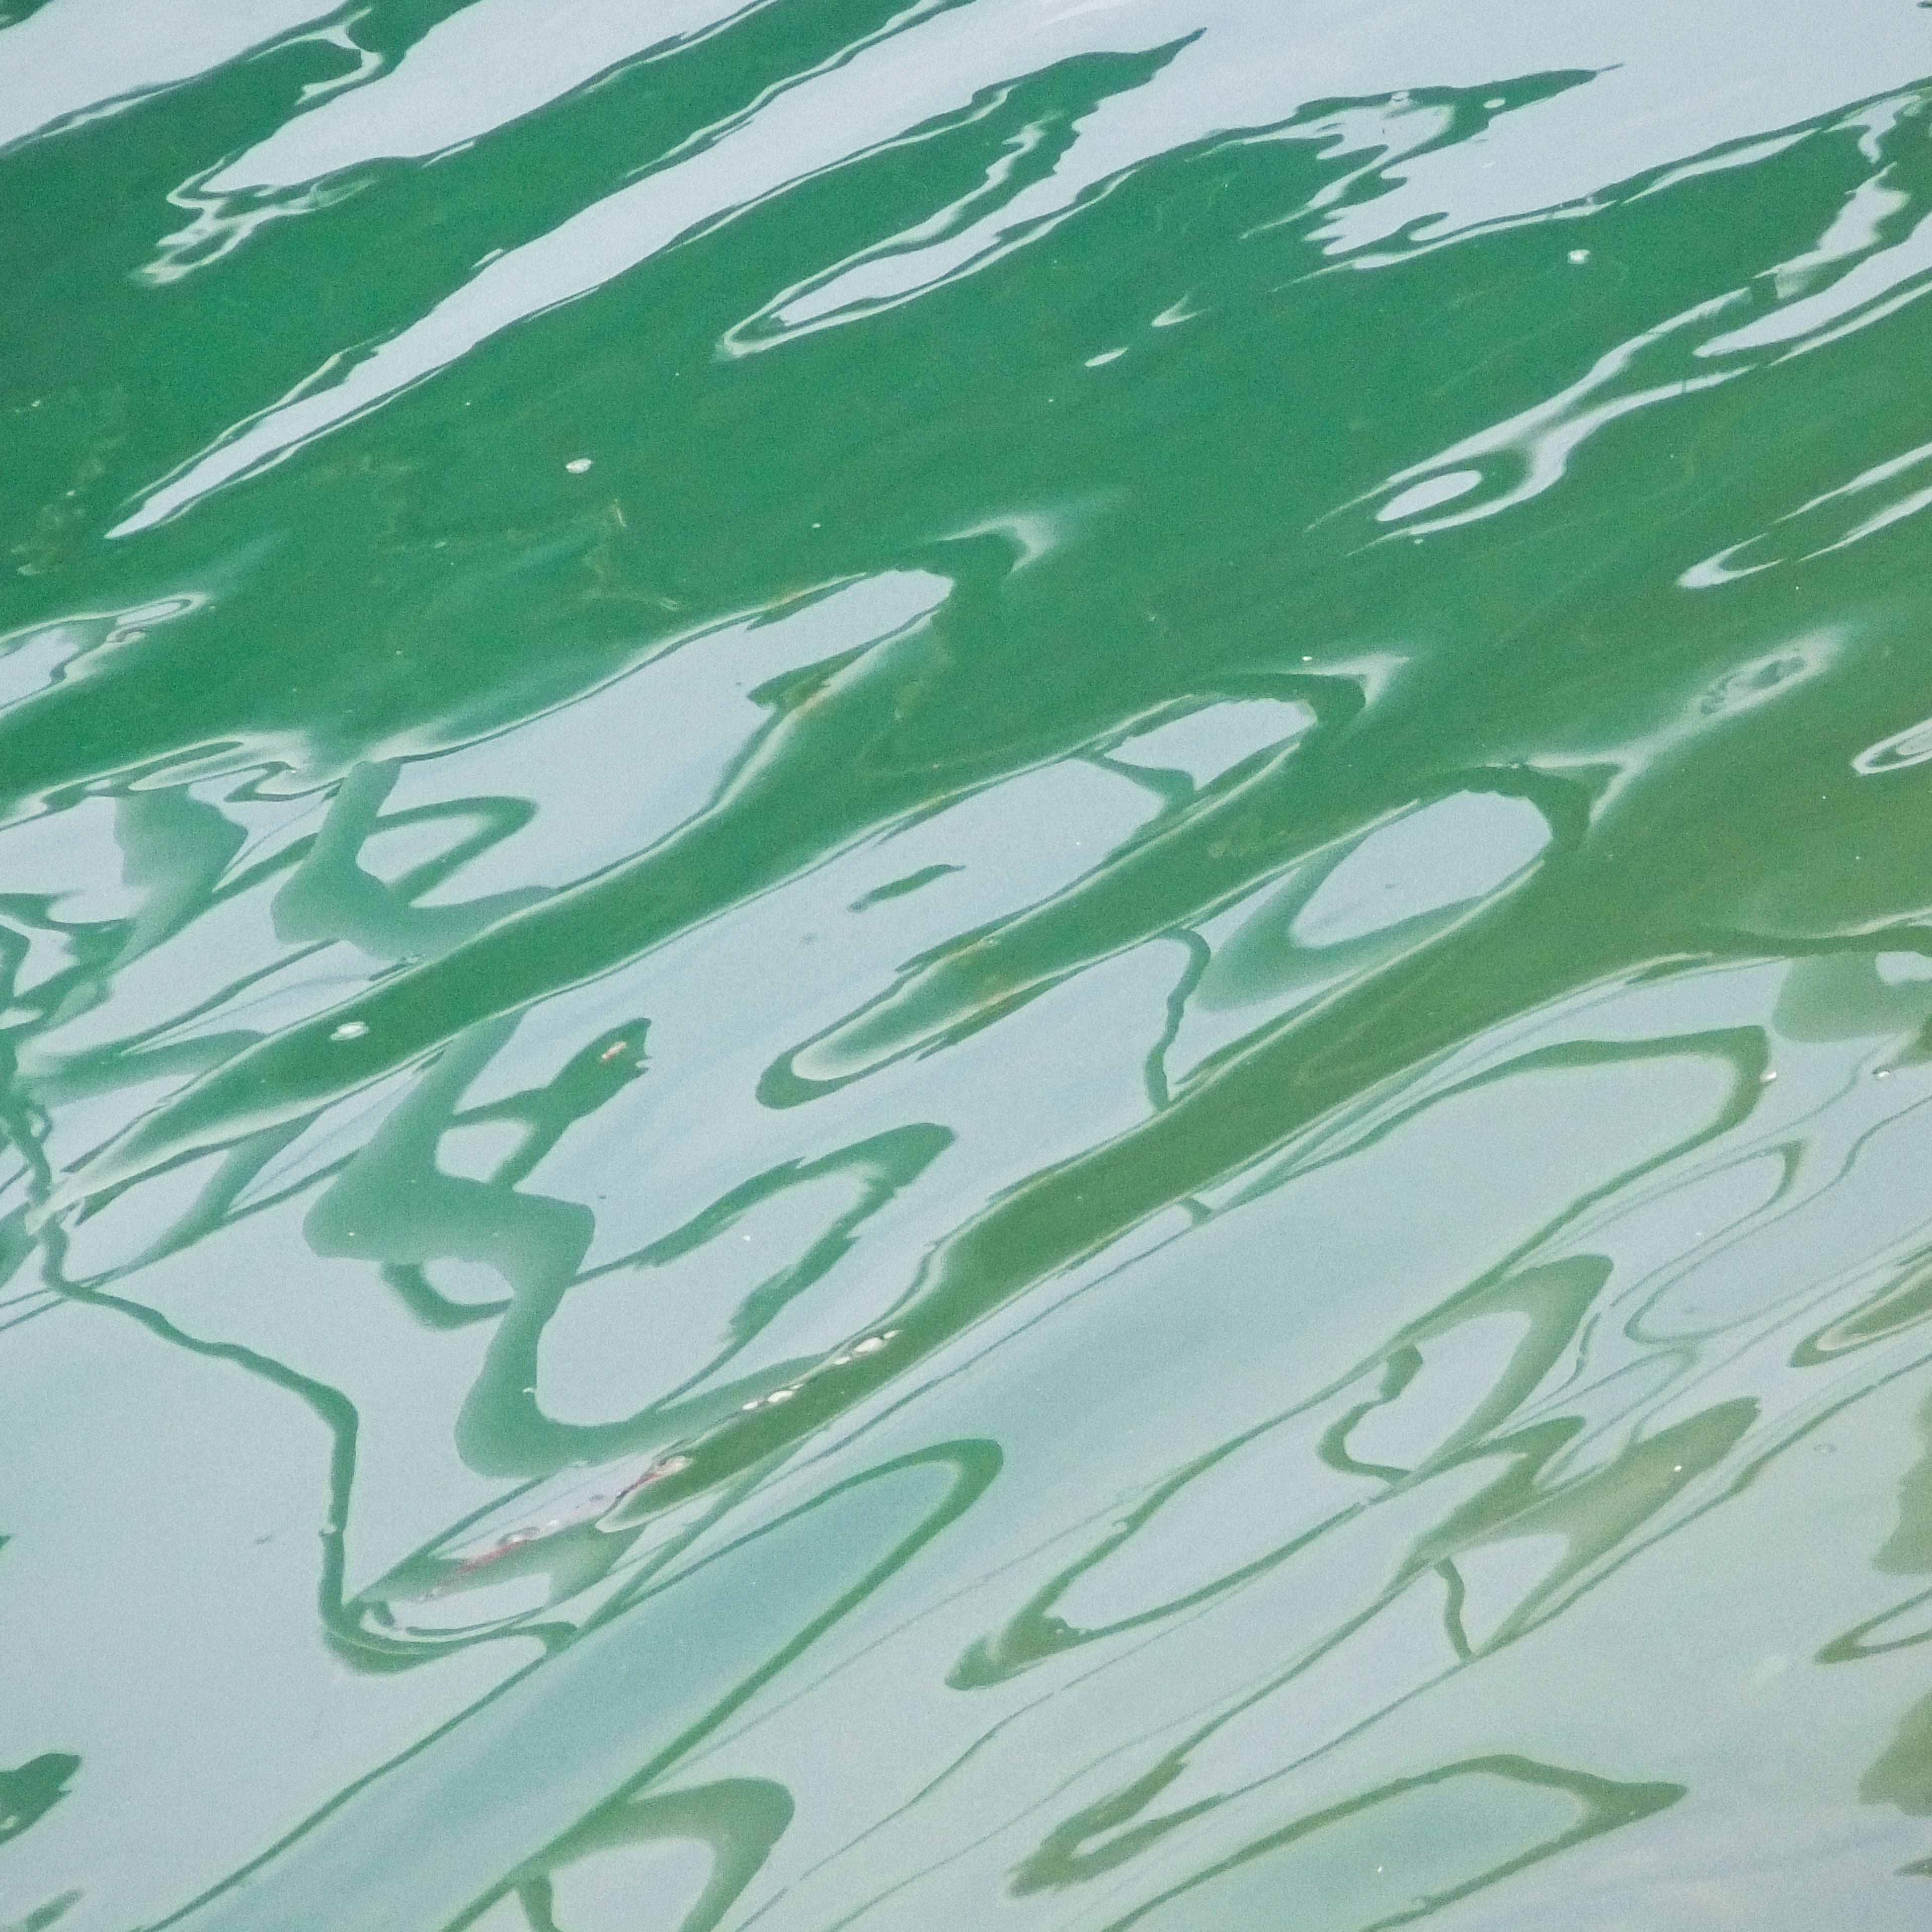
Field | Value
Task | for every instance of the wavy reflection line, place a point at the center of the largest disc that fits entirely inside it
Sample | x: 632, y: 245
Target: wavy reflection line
x: 423, y: 104
x: 1195, y: 856
x: 1555, y: 1299
x: 1021, y: 200
x: 1062, y: 1855
x: 701, y: 183
x: 1861, y: 296
x: 1605, y: 1805
x: 561, y: 1714
x: 48, y: 84
x: 1669, y: 1446
x: 1054, y: 1218
x: 1720, y: 568
x: 330, y: 1407
x: 717, y: 858
x: 428, y: 99
x: 1540, y: 442
x: 740, y: 1820
x: 680, y: 200
x: 1901, y: 1776
x: 1460, y: 1448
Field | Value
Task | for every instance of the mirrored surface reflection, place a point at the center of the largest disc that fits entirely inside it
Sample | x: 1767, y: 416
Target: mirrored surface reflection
x: 962, y: 962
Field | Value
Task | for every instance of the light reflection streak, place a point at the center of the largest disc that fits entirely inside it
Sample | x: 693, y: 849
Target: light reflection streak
x: 1605, y: 1428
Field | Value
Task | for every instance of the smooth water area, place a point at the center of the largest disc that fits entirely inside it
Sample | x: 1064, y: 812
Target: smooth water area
x: 965, y: 964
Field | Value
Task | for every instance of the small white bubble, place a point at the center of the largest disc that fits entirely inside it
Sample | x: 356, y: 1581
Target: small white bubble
x: 578, y: 465
x: 1579, y: 255
x: 349, y: 1030
x: 1769, y: 1074
x: 781, y: 1395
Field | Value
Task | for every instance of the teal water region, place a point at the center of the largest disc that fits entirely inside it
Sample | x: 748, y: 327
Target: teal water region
x: 965, y: 964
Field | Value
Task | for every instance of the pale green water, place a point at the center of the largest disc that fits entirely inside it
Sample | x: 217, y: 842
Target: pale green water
x: 970, y: 967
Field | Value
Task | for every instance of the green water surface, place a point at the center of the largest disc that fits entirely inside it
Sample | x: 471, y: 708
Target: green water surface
x: 965, y: 965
